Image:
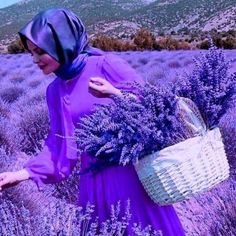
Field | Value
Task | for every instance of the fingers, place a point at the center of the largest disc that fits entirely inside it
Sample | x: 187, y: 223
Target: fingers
x: 96, y: 93
x: 94, y: 86
x: 4, y: 179
x: 2, y: 175
x: 97, y: 83
x: 100, y: 87
x: 98, y: 80
x: 8, y: 179
x: 4, y: 182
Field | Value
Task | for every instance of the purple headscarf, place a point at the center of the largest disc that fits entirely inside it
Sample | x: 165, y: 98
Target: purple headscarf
x: 61, y: 34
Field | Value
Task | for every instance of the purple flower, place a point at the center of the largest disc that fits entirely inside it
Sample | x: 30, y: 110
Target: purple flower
x: 210, y: 86
x: 131, y: 128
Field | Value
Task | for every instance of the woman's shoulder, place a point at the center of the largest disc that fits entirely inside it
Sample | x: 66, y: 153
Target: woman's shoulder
x: 113, y: 63
x: 107, y: 59
x: 112, y: 58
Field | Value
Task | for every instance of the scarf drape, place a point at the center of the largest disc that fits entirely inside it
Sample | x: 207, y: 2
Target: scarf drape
x: 61, y: 34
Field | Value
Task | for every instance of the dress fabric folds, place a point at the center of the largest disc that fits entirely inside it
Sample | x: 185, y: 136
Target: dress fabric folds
x: 68, y: 101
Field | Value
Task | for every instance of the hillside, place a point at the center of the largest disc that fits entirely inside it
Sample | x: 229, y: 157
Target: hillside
x: 13, y: 17
x: 123, y: 17
x: 184, y: 15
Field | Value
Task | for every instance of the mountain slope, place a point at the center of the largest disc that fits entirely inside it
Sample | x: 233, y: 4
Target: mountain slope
x: 178, y: 14
x: 124, y: 17
x: 12, y: 18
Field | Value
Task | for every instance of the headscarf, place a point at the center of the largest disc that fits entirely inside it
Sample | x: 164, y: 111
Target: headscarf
x: 61, y: 34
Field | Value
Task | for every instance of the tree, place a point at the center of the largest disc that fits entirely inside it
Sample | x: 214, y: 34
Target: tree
x: 144, y: 39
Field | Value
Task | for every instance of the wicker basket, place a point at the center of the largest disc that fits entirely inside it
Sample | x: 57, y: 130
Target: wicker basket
x: 178, y: 172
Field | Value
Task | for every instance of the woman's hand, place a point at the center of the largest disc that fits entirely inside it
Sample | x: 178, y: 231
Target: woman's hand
x: 102, y: 88
x: 8, y: 179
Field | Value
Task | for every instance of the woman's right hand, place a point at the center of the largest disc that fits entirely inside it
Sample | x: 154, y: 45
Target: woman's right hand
x: 8, y: 179
x: 102, y: 88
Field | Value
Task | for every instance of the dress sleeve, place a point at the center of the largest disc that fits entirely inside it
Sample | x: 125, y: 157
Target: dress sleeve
x: 59, y: 155
x: 119, y: 73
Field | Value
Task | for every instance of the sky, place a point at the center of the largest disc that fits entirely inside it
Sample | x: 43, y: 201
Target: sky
x: 5, y: 3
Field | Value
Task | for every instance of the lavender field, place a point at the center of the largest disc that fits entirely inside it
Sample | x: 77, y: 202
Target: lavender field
x: 24, y: 125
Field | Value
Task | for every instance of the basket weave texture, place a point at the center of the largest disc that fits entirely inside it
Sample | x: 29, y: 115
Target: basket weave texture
x: 180, y: 171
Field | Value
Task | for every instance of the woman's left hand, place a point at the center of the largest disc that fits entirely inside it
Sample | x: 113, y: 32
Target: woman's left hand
x: 101, y: 88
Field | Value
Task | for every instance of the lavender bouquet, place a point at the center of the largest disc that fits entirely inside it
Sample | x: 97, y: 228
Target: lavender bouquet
x: 210, y: 86
x: 130, y: 128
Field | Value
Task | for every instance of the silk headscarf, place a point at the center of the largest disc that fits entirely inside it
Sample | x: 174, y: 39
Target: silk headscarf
x: 61, y: 34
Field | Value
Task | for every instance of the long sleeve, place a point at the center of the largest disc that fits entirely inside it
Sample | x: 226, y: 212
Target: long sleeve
x: 59, y: 156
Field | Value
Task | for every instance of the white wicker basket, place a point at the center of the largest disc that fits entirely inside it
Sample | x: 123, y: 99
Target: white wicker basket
x: 178, y: 172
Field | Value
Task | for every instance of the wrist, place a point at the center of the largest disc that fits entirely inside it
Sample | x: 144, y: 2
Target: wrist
x: 117, y: 92
x: 22, y: 175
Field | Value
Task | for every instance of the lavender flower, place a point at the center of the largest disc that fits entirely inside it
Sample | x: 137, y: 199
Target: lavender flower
x: 11, y: 222
x: 7, y: 136
x: 131, y: 128
x: 31, y: 127
x: 210, y: 86
x: 147, y: 231
x: 12, y: 93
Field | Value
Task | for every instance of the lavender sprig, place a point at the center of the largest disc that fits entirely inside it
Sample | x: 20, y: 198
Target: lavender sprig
x: 210, y: 85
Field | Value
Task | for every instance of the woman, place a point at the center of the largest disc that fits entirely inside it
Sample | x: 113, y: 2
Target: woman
x: 86, y: 76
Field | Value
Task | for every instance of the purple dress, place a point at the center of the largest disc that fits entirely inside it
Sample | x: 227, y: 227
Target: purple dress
x: 67, y: 102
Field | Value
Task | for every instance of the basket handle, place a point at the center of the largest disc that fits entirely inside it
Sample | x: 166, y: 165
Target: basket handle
x: 190, y: 116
